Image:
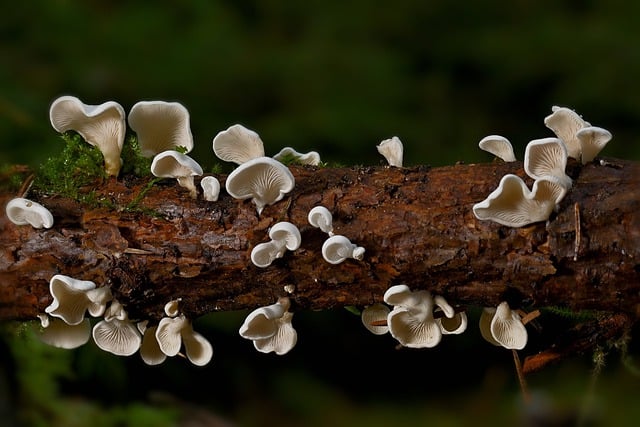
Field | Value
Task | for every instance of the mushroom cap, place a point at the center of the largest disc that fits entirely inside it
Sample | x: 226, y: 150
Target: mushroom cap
x: 120, y: 337
x: 197, y: 348
x: 592, y: 140
x: 263, y: 254
x: 287, y: 233
x: 507, y: 328
x: 263, y: 179
x: 375, y: 313
x: 411, y: 321
x: 321, y: 218
x: 311, y: 158
x: 149, y: 349
x: 499, y: 146
x: 168, y: 334
x: 485, y: 325
x: 546, y: 156
x: 103, y: 126
x: 62, y: 335
x: 392, y: 150
x: 172, y: 308
x: 70, y: 300
x: 237, y: 144
x: 453, y: 325
x: 210, y: 188
x: 282, y: 341
x: 160, y: 126
x: 23, y: 211
x: 172, y: 164
x: 565, y: 123
x: 261, y: 322
x: 338, y: 248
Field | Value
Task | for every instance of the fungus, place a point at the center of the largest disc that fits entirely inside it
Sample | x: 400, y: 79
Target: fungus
x: 73, y: 297
x: 338, y: 248
x: 116, y: 333
x: 210, y: 188
x: 499, y: 146
x: 411, y: 321
x: 102, y: 126
x: 237, y: 144
x: 174, y: 332
x: 289, y: 154
x: 263, y: 180
x: 321, y: 218
x: 150, y: 351
x: 270, y: 328
x: 513, y: 205
x: 455, y: 324
x: 372, y: 315
x: 547, y: 156
x: 392, y: 150
x: 592, y: 140
x: 172, y: 164
x: 58, y: 333
x: 566, y: 123
x: 21, y: 211
x: 161, y: 126
x: 284, y: 235
x: 502, y: 326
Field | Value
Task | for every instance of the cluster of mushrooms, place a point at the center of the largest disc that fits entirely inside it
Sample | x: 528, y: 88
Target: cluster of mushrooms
x: 416, y: 319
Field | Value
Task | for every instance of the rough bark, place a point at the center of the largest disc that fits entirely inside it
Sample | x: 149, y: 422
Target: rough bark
x: 416, y: 225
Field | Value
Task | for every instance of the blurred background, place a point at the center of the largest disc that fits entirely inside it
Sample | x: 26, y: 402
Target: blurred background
x: 336, y: 78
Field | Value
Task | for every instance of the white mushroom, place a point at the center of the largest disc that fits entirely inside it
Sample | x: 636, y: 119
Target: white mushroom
x: 547, y: 156
x: 270, y: 328
x: 59, y: 334
x: 150, y: 351
x: 161, y: 126
x: 72, y: 298
x: 172, y: 164
x: 284, y: 235
x: 210, y: 188
x: 102, y: 126
x: 592, y: 140
x: 513, y: 205
x: 287, y: 153
x: 338, y: 248
x: 392, y: 150
x: 263, y: 180
x: 566, y: 123
x: 238, y: 144
x: 499, y: 146
x: 116, y: 334
x: 502, y: 326
x: 455, y: 324
x: 172, y: 308
x: 373, y: 314
x: 174, y: 332
x: 23, y: 211
x: 321, y: 218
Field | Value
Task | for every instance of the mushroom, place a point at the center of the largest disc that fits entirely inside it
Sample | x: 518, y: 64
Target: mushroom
x: 392, y: 150
x: 499, y: 146
x: 174, y: 332
x: 238, y: 144
x: 263, y: 180
x: 566, y: 123
x: 270, y: 328
x: 284, y: 235
x: 592, y: 140
x: 289, y: 154
x: 172, y: 164
x: 150, y: 351
x: 73, y: 297
x: 23, y: 211
x: 161, y: 126
x: 455, y: 324
x: 58, y: 333
x: 502, y: 326
x: 372, y: 314
x: 321, y: 218
x: 116, y: 333
x: 338, y: 248
x: 102, y: 126
x: 210, y: 188
x: 513, y: 205
x: 547, y: 156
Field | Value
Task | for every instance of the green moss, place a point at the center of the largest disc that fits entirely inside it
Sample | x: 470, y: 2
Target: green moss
x: 132, y: 160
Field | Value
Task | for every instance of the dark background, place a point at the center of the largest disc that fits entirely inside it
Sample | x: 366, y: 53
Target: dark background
x: 336, y: 78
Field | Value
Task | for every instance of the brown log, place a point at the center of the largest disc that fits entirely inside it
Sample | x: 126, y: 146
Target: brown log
x: 416, y: 225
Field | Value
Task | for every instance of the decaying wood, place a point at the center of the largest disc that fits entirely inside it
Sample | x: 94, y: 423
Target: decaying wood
x: 416, y: 225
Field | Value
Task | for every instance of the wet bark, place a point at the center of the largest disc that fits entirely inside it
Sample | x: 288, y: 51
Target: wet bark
x: 416, y: 225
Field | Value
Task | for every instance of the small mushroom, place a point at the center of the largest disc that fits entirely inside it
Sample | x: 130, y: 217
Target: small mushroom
x: 566, y: 123
x: 502, y: 326
x: 238, y: 144
x: 102, y: 126
x: 321, y: 218
x: 311, y: 158
x: 59, y: 334
x: 210, y: 188
x: 392, y: 150
x: 174, y: 332
x: 453, y: 325
x: 161, y: 126
x: 373, y: 314
x: 513, y: 205
x: 547, y: 156
x: 284, y: 235
x: 72, y: 298
x: 172, y: 164
x: 263, y: 180
x: 592, y: 140
x: 150, y: 351
x: 499, y: 146
x: 270, y: 328
x: 23, y: 211
x: 338, y: 248
x: 116, y: 334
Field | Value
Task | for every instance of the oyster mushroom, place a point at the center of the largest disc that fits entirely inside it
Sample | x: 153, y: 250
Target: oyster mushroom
x: 210, y: 188
x: 270, y: 328
x: 566, y: 123
x: 237, y: 144
x: 392, y: 150
x: 21, y: 211
x: 58, y: 333
x: 102, y: 126
x: 174, y: 332
x: 373, y: 314
x: 547, y: 156
x: 337, y: 249
x: 502, y: 326
x: 116, y: 334
x: 72, y: 298
x: 499, y: 146
x: 592, y: 140
x: 320, y: 217
x: 284, y: 235
x: 311, y: 158
x: 172, y: 164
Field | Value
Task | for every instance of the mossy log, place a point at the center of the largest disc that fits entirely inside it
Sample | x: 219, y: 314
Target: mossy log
x: 416, y: 225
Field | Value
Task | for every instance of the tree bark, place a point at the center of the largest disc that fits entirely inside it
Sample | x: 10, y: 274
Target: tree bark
x: 416, y: 225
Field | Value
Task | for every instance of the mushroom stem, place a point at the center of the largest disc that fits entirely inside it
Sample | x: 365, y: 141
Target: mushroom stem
x: 187, y: 182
